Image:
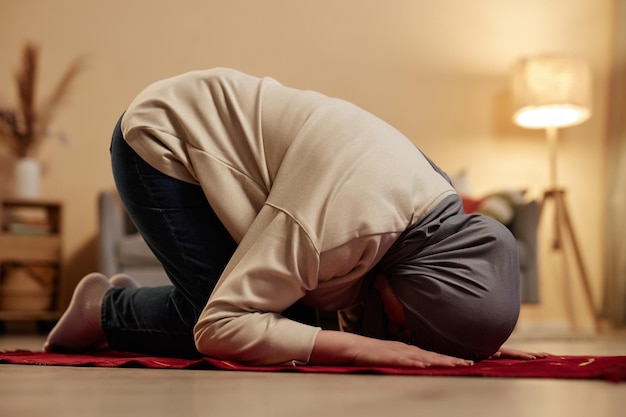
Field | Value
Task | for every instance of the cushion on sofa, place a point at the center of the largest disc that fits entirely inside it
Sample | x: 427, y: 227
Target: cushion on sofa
x: 500, y: 205
x: 133, y: 250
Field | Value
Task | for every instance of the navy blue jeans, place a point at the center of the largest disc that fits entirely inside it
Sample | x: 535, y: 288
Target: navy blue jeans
x: 177, y: 222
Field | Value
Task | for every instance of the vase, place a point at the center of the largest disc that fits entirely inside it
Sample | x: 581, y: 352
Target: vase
x: 27, y: 178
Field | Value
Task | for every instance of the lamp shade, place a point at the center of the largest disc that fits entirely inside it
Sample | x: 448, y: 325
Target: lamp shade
x: 551, y: 91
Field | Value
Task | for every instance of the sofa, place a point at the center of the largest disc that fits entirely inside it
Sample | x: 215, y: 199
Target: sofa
x: 524, y: 228
x: 122, y: 249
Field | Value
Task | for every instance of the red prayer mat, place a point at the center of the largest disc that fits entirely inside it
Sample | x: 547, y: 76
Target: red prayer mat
x: 609, y: 368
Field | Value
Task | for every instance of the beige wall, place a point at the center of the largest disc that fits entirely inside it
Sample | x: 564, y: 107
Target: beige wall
x: 437, y: 70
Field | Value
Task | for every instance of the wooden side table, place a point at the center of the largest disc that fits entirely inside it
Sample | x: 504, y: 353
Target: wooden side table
x: 30, y: 259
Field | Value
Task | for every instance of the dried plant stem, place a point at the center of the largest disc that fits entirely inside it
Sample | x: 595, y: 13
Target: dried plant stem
x: 23, y: 129
x: 26, y: 79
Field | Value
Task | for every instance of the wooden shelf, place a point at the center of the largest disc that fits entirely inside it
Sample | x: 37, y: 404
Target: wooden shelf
x: 21, y: 248
x: 25, y: 315
x: 30, y: 259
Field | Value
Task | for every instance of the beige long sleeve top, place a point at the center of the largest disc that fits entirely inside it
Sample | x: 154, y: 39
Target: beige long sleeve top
x: 313, y: 188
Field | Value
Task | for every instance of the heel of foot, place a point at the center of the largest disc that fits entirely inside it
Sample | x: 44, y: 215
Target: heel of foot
x: 123, y: 281
x: 79, y: 327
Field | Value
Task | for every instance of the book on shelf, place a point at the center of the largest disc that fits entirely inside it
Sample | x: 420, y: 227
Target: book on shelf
x: 30, y: 229
x: 27, y: 221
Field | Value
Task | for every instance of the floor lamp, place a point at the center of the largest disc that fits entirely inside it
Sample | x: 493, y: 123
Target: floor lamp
x: 552, y: 92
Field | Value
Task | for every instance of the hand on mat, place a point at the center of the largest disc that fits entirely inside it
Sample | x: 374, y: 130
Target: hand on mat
x: 508, y: 353
x: 333, y: 347
x: 398, y: 354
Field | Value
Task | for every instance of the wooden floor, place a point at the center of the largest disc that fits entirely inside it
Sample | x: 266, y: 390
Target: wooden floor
x: 113, y: 392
